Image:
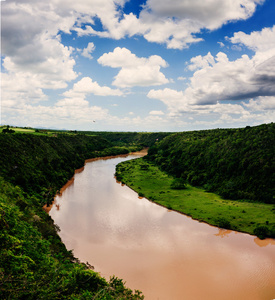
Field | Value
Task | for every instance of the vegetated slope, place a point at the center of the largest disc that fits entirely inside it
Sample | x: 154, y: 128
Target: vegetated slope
x: 41, y: 165
x: 235, y: 163
x: 145, y: 139
x: 34, y: 263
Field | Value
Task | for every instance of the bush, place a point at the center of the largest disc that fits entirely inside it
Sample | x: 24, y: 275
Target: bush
x: 261, y: 231
x: 223, y: 223
x: 178, y: 184
x: 144, y: 167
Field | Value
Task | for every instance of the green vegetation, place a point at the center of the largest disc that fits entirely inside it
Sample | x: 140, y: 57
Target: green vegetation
x: 149, y: 181
x: 34, y: 263
x: 145, y: 139
x: 235, y: 163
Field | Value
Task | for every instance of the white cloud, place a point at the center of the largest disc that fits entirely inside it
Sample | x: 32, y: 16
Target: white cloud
x: 34, y: 57
x: 87, y: 86
x: 156, y: 113
x: 262, y: 41
x: 210, y: 14
x: 218, y: 78
x: 261, y: 103
x: 173, y: 22
x: 134, y: 71
x: 68, y: 113
x: 87, y: 51
x: 178, y: 105
x: 171, y: 98
x: 200, y: 62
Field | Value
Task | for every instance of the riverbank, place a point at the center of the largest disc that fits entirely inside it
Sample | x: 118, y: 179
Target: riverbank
x: 249, y: 217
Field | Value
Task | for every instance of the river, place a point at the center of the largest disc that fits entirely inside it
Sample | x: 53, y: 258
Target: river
x: 166, y: 255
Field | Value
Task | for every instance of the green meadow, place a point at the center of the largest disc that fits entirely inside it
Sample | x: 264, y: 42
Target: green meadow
x: 240, y: 215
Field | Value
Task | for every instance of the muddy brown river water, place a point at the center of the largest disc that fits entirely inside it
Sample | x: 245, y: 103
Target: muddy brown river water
x: 166, y: 255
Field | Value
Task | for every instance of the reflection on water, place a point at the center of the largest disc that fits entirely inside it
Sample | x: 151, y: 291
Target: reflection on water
x: 163, y: 253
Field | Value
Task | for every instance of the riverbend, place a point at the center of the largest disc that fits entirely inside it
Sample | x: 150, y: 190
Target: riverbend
x: 164, y: 254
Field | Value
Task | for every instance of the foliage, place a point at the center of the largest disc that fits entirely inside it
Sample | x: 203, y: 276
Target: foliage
x: 145, y: 139
x: 224, y: 223
x: 263, y: 231
x: 235, y: 163
x: 8, y: 130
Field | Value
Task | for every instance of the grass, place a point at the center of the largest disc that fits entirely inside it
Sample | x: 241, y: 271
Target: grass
x: 155, y: 185
x: 34, y: 131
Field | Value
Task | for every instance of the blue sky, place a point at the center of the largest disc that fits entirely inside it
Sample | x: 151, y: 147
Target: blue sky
x: 152, y: 65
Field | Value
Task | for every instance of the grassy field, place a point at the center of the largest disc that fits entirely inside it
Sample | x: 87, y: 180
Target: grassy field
x: 47, y: 132
x: 150, y: 182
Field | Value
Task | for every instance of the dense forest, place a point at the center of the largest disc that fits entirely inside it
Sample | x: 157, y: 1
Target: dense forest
x: 235, y: 163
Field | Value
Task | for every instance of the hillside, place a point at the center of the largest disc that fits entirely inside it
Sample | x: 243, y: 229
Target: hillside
x: 235, y: 163
x: 146, y: 139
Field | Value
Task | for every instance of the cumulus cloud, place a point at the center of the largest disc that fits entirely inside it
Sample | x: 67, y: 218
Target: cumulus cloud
x: 87, y: 51
x: 134, y: 71
x: 261, y: 103
x: 69, y: 113
x: 248, y: 81
x: 177, y: 104
x: 217, y: 78
x: 33, y: 56
x: 173, y: 22
x: 263, y: 40
x: 211, y: 14
x: 200, y: 62
x: 87, y: 86
x: 171, y: 98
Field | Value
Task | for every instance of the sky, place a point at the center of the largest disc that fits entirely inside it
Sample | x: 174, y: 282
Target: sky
x: 129, y: 65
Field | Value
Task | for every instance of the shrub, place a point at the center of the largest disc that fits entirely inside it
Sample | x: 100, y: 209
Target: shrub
x: 223, y: 223
x: 261, y: 231
x: 144, y: 167
x: 178, y: 184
